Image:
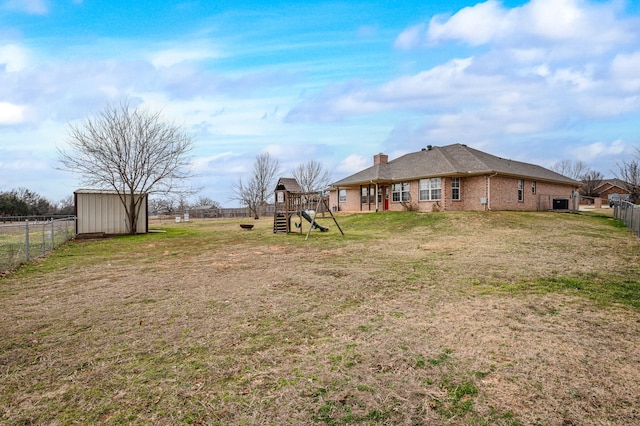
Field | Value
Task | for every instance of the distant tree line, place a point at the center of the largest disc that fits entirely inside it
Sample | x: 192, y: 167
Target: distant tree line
x: 24, y: 202
x: 168, y: 205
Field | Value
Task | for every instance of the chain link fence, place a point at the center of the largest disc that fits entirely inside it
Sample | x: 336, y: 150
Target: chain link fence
x: 29, y: 239
x: 629, y: 213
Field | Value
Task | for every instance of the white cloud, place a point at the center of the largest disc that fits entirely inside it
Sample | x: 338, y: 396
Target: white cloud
x: 14, y: 57
x: 554, y: 24
x: 476, y: 25
x: 177, y: 55
x: 202, y: 164
x: 352, y: 164
x: 625, y: 71
x: 555, y: 19
x: 438, y: 81
x: 11, y: 113
x: 598, y: 150
x: 35, y: 7
x: 546, y: 70
x: 573, y: 79
x: 411, y: 37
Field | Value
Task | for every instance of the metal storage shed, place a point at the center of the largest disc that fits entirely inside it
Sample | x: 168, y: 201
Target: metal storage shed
x: 101, y: 211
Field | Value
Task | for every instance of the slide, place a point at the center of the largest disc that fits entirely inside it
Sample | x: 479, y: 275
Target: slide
x: 313, y: 223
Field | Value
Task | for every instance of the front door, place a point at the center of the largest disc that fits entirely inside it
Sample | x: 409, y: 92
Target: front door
x: 383, y: 200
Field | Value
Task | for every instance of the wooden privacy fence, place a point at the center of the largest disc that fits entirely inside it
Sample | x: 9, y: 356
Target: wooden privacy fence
x: 629, y: 213
x: 29, y: 239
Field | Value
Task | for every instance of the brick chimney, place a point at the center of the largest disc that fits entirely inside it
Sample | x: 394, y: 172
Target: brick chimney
x: 380, y: 159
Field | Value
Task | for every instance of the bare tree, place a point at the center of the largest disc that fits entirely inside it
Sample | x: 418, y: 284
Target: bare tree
x: 206, y: 201
x: 66, y: 205
x: 573, y: 169
x: 260, y: 187
x: 265, y: 170
x: 38, y: 205
x: 590, y: 182
x: 162, y: 205
x: 130, y: 151
x: 629, y: 173
x: 311, y: 176
x: 248, y: 195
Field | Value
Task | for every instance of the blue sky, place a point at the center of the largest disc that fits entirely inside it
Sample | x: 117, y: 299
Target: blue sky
x: 537, y: 81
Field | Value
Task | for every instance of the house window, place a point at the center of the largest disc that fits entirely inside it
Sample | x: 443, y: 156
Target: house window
x: 533, y: 186
x: 430, y: 189
x: 455, y: 188
x: 400, y: 192
x: 520, y: 190
x: 342, y: 197
x: 363, y: 195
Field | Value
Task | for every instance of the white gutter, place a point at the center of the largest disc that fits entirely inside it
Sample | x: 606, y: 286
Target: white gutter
x: 377, y: 204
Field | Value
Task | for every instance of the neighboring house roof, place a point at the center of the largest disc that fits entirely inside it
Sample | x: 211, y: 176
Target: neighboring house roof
x: 288, y: 184
x: 450, y: 160
x: 609, y: 183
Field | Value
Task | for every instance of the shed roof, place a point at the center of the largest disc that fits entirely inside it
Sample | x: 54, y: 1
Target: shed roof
x: 450, y: 160
x: 100, y: 191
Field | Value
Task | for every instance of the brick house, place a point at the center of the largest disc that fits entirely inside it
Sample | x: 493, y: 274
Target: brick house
x: 612, y: 189
x: 450, y: 178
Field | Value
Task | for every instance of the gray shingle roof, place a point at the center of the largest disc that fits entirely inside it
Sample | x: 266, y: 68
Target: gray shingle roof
x: 612, y: 182
x: 288, y: 184
x: 450, y: 160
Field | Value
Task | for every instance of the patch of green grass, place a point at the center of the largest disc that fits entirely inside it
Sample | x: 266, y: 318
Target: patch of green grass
x: 374, y: 226
x: 333, y: 413
x: 365, y: 388
x: 497, y: 416
x: 598, y: 286
x: 365, y: 328
x: 442, y: 358
x: 460, y: 399
x: 346, y: 359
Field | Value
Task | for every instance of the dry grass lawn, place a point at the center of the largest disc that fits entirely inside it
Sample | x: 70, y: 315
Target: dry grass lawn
x: 420, y: 319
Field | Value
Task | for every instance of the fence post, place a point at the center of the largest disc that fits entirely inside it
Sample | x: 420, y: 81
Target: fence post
x: 44, y: 243
x: 626, y: 215
x: 53, y: 235
x: 26, y: 239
